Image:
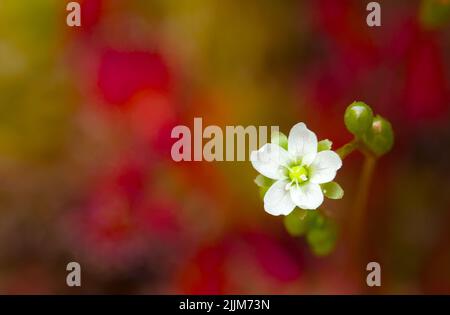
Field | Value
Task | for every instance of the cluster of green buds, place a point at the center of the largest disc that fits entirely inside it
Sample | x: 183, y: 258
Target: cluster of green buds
x: 373, y: 133
x: 320, y: 231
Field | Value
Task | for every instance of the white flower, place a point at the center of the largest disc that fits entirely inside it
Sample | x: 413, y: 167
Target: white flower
x: 298, y: 172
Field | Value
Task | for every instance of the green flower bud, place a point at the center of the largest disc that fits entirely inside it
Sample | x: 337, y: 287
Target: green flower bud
x: 380, y: 138
x: 280, y: 139
x: 332, y: 190
x: 358, y: 118
x: 324, y: 145
x: 316, y: 220
x: 296, y: 223
x: 322, y: 240
x: 263, y: 181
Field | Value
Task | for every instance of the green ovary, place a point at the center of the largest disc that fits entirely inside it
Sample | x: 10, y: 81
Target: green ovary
x: 298, y: 174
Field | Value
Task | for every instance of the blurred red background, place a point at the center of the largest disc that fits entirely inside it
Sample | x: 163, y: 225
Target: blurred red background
x: 86, y: 114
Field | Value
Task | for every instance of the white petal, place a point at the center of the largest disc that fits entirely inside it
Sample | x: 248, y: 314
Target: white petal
x: 302, y: 142
x: 307, y: 196
x: 323, y: 168
x: 308, y: 158
x: 277, y: 200
x: 269, y: 161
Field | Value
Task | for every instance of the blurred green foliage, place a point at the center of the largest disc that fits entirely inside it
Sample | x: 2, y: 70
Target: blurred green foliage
x: 434, y: 13
x: 35, y: 97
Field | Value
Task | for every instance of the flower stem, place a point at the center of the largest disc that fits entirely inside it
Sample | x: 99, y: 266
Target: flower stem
x: 358, y: 223
x: 348, y: 148
x: 359, y: 209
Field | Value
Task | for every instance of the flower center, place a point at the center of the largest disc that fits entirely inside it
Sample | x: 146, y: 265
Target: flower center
x: 298, y: 174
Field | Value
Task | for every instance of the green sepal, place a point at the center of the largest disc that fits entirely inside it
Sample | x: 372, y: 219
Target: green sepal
x: 280, y: 139
x: 263, y: 183
x: 332, y: 190
x: 324, y: 145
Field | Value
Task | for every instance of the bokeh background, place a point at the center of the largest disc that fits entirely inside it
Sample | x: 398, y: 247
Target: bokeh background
x: 85, y: 121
